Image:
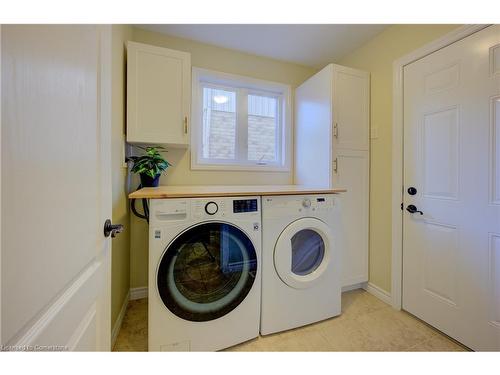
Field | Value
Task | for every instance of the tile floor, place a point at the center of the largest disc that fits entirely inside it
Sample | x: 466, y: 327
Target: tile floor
x: 366, y: 324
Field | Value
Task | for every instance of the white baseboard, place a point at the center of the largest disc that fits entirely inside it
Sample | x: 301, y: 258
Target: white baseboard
x: 378, y: 292
x: 138, y: 293
x: 348, y: 288
x: 118, y: 324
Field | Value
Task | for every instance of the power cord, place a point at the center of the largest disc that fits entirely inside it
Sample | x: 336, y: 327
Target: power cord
x: 145, y: 208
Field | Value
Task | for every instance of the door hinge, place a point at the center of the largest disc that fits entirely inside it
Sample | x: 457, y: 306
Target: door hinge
x: 401, y: 206
x: 185, y: 125
x: 336, y: 130
x: 335, y: 165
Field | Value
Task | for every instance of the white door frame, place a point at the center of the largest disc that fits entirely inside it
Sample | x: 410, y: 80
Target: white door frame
x: 1, y: 343
x: 397, y: 149
x: 105, y: 117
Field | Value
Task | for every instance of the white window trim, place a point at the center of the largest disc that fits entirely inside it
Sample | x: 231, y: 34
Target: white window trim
x: 200, y: 75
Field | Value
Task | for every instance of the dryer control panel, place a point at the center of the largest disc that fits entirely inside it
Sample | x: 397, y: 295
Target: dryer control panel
x: 302, y: 205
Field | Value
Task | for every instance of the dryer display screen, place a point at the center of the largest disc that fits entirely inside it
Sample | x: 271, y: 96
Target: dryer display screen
x: 245, y: 205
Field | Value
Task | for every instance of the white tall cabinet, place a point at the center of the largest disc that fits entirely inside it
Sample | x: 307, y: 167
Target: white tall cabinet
x: 332, y: 131
x: 158, y: 95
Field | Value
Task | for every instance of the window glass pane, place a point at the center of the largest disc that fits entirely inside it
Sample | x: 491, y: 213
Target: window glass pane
x: 219, y: 123
x: 308, y: 250
x: 262, y: 128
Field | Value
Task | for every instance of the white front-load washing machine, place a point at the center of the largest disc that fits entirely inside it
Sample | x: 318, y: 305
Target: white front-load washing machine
x: 204, y: 273
x: 300, y: 261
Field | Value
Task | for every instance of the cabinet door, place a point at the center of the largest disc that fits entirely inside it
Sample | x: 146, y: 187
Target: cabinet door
x: 158, y: 95
x: 351, y: 108
x: 352, y: 173
x: 313, y: 126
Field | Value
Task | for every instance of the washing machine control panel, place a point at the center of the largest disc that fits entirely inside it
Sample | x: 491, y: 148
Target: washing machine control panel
x: 245, y: 205
x: 223, y: 208
x: 211, y: 208
x: 208, y: 208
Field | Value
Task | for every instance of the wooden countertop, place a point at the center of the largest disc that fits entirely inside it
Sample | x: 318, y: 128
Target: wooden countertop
x: 162, y: 192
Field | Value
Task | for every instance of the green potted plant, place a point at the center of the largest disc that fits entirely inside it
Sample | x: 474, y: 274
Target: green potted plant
x: 149, y: 166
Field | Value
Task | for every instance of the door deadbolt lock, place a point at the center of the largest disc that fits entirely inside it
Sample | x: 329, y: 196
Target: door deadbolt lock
x: 412, y: 190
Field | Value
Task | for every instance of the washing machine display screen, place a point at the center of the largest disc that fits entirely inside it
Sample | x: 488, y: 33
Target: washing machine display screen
x: 244, y: 205
x: 207, y: 271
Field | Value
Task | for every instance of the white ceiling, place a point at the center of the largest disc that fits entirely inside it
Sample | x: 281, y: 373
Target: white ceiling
x: 311, y: 45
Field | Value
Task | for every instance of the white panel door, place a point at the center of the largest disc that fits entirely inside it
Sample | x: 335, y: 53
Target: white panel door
x: 351, y: 108
x: 351, y: 169
x: 451, y: 248
x: 56, y: 187
x: 158, y: 95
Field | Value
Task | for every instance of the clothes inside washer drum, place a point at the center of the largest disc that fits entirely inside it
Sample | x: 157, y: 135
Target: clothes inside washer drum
x: 207, y: 271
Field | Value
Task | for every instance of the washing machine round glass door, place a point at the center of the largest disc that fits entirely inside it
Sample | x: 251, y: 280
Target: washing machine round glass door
x: 206, y: 271
x: 303, y: 253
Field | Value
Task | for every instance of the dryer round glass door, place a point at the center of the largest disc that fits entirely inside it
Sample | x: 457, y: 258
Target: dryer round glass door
x: 206, y: 271
x: 303, y: 253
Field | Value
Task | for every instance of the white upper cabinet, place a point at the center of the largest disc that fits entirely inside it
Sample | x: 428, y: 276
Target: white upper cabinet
x: 313, y: 130
x: 158, y: 95
x: 351, y: 103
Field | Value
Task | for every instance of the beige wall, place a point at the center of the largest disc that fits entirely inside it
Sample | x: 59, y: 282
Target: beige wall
x: 225, y: 60
x: 120, y: 273
x: 377, y: 57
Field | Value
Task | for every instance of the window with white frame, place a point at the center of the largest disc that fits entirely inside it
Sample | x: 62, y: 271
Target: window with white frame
x: 239, y: 123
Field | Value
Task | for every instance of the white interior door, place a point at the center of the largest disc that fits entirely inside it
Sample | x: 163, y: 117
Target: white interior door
x: 451, y: 252
x: 56, y: 187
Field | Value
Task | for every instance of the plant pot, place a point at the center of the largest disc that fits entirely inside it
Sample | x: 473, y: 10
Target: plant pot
x: 148, y: 181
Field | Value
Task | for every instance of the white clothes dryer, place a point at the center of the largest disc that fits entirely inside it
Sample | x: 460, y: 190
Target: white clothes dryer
x: 300, y: 261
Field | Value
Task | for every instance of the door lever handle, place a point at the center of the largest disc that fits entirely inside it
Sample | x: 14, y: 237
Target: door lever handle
x: 413, y: 209
x: 112, y: 229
